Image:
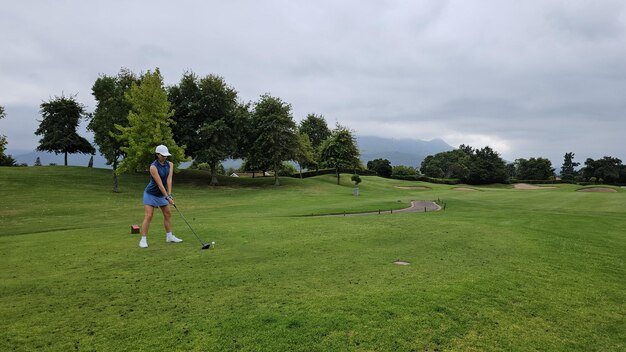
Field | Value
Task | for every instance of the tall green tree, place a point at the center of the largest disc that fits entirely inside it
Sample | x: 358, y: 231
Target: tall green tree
x: 218, y: 134
x: 316, y: 128
x: 245, y: 135
x: 568, y: 169
x: 608, y: 169
x: 61, y: 116
x: 305, y: 154
x: 209, y: 119
x: 473, y: 166
x: 533, y: 169
x: 3, y: 139
x: 450, y: 164
x: 486, y: 166
x: 381, y: 166
x: 253, y: 159
x: 5, y: 160
x: 431, y: 166
x: 112, y: 109
x: 276, y: 137
x: 340, y: 150
x: 185, y: 99
x: 149, y: 125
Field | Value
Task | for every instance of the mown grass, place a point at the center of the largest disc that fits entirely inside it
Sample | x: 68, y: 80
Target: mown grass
x: 498, y: 270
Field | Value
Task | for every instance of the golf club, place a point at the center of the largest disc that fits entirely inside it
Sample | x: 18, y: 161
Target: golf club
x: 204, y: 245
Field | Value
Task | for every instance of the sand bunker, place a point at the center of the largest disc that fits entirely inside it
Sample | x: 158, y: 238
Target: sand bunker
x: 598, y: 189
x: 420, y: 188
x: 527, y: 186
x: 400, y: 262
x: 465, y: 189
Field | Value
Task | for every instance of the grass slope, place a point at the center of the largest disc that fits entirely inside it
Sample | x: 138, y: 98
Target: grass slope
x: 498, y: 270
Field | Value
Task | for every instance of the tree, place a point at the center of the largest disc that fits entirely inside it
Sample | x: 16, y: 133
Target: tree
x: 316, y: 128
x: 208, y: 119
x: 185, y: 99
x: 340, y: 150
x: 3, y: 139
x: 608, y: 169
x: 431, y: 166
x: 149, y: 125
x: 112, y: 109
x: 486, y: 166
x: 474, y: 166
x: 305, y: 155
x: 402, y: 170
x: 450, y: 164
x: 276, y: 140
x: 568, y: 170
x: 61, y: 116
x: 533, y: 169
x: 381, y: 166
x: 5, y: 160
x: 218, y: 133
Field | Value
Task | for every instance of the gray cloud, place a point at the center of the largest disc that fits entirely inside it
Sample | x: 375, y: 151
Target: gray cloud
x: 532, y: 78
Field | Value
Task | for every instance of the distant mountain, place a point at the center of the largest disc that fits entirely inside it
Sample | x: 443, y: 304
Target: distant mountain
x: 26, y: 157
x: 409, y: 152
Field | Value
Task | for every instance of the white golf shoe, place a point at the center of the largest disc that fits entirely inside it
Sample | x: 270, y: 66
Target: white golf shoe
x: 144, y: 242
x: 172, y: 238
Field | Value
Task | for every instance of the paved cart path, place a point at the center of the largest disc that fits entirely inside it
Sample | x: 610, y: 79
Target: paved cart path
x: 416, y: 206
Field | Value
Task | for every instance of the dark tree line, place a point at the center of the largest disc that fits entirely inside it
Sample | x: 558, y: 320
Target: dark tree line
x: 468, y: 165
x: 200, y: 119
x: 606, y: 170
x: 480, y: 166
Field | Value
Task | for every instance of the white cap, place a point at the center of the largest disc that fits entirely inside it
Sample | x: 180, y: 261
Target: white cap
x: 162, y: 150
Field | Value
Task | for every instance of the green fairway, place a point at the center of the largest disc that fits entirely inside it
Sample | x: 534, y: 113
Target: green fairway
x: 500, y: 269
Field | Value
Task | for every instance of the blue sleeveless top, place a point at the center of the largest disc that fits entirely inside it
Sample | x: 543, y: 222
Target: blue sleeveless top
x: 164, y: 172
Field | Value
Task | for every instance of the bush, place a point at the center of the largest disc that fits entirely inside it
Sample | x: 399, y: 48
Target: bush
x: 287, y: 169
x: 444, y: 181
x: 206, y: 167
x: 401, y: 170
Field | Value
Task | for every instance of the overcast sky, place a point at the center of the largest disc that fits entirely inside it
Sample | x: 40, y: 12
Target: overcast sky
x: 528, y: 78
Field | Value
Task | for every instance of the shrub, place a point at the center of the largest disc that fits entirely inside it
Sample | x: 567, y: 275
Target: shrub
x: 287, y: 169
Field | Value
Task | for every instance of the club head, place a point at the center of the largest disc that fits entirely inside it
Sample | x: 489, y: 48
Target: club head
x: 206, y: 246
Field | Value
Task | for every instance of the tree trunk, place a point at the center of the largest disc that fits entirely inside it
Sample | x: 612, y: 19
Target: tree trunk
x: 276, y: 175
x: 213, y: 174
x: 115, y: 181
x: 300, y: 172
x: 65, y: 158
x: 337, y: 175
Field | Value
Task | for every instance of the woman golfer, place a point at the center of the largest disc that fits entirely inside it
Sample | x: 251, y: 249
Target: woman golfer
x: 158, y: 193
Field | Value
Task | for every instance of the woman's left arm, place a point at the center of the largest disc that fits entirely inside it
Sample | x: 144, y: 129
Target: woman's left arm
x: 169, y: 178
